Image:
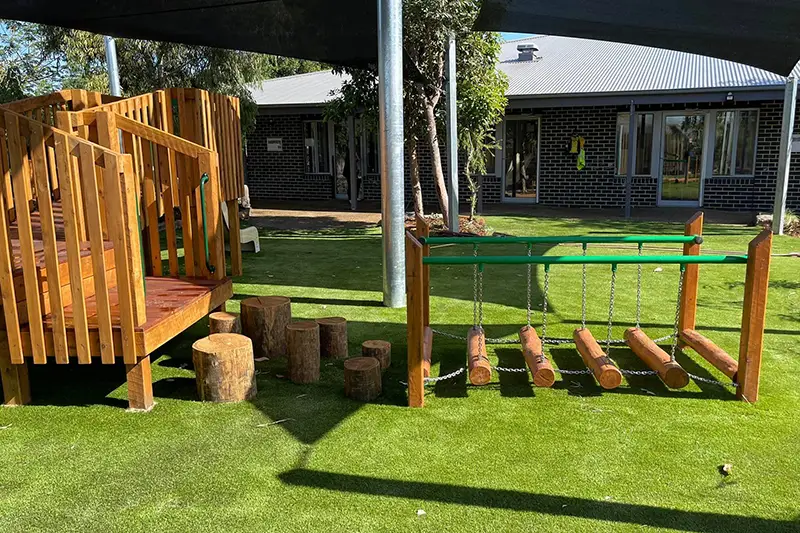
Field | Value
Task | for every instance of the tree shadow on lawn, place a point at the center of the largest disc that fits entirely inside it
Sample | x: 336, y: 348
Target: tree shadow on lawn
x: 515, y: 500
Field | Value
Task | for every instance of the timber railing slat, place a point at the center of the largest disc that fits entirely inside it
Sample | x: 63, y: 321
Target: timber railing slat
x: 7, y: 291
x: 72, y: 239
x: 49, y: 241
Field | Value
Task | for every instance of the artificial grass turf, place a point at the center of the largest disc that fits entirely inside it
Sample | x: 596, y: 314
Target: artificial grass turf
x: 501, y: 458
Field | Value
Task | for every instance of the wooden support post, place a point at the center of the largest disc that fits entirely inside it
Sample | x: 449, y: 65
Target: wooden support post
x: 16, y: 385
x: 427, y: 351
x: 671, y: 373
x: 539, y: 365
x: 604, y: 370
x: 414, y: 321
x: 424, y: 230
x: 480, y: 370
x: 751, y: 343
x: 140, y: 385
x: 691, y: 277
x: 235, y: 238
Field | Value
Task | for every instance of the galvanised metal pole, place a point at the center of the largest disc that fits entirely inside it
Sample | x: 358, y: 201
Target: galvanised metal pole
x: 112, y: 66
x: 390, y: 103
x: 782, y: 181
x: 452, y: 136
x: 631, y: 152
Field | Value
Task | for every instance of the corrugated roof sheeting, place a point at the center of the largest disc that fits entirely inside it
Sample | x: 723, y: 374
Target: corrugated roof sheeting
x: 583, y: 66
x: 312, y: 88
x: 567, y: 66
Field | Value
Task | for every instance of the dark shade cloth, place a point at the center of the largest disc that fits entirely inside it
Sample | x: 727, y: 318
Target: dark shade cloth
x: 338, y: 32
x: 762, y: 33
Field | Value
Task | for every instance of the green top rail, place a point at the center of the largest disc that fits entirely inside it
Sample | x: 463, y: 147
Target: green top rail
x: 564, y: 239
x: 584, y: 259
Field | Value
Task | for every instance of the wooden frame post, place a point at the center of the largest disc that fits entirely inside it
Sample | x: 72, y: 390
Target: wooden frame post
x: 415, y: 321
x: 424, y: 230
x: 754, y: 312
x: 16, y: 385
x: 691, y: 277
x: 140, y: 385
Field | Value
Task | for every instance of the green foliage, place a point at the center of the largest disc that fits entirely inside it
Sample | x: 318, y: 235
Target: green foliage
x: 77, y: 60
x: 26, y: 67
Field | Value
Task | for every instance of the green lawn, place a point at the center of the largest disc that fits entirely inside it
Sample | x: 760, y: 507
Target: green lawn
x: 501, y: 458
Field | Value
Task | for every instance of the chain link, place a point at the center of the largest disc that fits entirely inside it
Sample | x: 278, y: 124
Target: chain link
x: 611, y: 309
x: 475, y: 288
x: 528, y: 316
x: 544, y: 301
x: 638, y: 372
x: 583, y: 292
x: 512, y: 370
x: 674, y: 346
x: 446, y: 376
x: 566, y: 372
x: 713, y: 381
x: 639, y: 290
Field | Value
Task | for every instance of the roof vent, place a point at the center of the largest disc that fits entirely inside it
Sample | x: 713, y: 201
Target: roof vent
x: 527, y: 51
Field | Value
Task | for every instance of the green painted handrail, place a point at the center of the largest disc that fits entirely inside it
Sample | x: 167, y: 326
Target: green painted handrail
x: 584, y: 259
x: 563, y: 239
x: 203, y: 180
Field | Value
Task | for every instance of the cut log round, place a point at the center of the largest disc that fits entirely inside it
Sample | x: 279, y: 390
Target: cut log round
x: 333, y: 337
x: 480, y: 370
x: 606, y: 372
x: 264, y: 320
x: 671, y: 373
x: 711, y: 353
x: 223, y: 364
x: 223, y: 322
x: 303, y: 341
x: 380, y: 350
x: 539, y: 365
x: 427, y: 351
x: 362, y: 378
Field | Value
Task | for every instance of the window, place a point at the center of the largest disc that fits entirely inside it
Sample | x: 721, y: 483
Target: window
x: 371, y: 152
x: 644, y: 144
x: 316, y: 147
x: 735, y: 143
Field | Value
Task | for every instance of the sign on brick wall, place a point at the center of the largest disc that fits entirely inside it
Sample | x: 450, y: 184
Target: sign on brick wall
x: 274, y: 144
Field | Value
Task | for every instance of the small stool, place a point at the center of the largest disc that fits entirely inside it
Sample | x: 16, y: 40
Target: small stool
x: 224, y: 367
x: 380, y: 350
x: 362, y: 378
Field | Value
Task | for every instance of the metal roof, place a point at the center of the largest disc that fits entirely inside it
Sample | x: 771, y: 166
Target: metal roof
x: 567, y: 66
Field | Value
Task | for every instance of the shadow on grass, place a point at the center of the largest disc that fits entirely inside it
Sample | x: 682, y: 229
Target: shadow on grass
x: 515, y: 500
x: 513, y: 384
x: 76, y: 385
x: 319, y: 301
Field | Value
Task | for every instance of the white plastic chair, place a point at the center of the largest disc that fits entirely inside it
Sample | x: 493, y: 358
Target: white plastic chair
x: 247, y: 236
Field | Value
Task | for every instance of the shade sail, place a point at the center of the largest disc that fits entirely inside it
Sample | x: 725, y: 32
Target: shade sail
x: 336, y: 32
x: 762, y: 33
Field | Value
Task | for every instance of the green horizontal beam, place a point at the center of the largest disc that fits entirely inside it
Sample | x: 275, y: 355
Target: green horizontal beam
x: 563, y: 239
x: 584, y: 259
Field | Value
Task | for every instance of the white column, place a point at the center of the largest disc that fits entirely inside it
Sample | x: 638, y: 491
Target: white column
x: 112, y: 66
x: 782, y: 179
x: 390, y: 99
x: 452, y: 136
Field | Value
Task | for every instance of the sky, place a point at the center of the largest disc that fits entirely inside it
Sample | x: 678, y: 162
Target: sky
x: 510, y: 36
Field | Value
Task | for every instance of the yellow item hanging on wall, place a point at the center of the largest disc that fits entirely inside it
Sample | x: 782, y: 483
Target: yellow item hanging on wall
x: 581, y: 154
x: 573, y: 147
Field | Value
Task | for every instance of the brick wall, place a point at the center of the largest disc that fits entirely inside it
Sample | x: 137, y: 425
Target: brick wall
x: 281, y: 175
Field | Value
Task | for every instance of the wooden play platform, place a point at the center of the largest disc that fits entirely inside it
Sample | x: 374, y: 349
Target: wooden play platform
x: 97, y: 196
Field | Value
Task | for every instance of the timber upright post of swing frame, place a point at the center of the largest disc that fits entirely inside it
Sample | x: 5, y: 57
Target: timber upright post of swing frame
x: 417, y: 312
x: 691, y: 277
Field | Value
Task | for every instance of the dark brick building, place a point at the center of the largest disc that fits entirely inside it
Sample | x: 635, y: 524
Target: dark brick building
x: 708, y: 134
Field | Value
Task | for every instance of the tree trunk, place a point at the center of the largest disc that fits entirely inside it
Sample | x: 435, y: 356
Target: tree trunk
x: 264, y: 319
x: 333, y: 337
x: 416, y: 187
x: 380, y: 350
x: 303, y: 341
x: 223, y: 364
x: 362, y: 378
x: 223, y: 322
x: 436, y: 160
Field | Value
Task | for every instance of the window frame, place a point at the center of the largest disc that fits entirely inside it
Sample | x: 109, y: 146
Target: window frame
x: 617, y: 148
x: 734, y: 152
x: 326, y: 136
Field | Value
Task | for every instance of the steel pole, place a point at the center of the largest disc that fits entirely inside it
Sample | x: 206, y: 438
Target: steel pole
x: 631, y: 153
x: 782, y: 179
x: 112, y: 66
x: 452, y: 136
x: 390, y: 97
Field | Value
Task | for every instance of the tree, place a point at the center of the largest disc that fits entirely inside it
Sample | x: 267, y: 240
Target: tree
x: 78, y: 58
x: 25, y: 66
x: 428, y: 25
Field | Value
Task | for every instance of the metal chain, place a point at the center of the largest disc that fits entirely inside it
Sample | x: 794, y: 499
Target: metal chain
x: 611, y: 309
x: 480, y: 297
x: 529, y: 287
x: 713, y: 381
x: 639, y: 290
x: 674, y: 346
x: 583, y: 292
x: 544, y: 301
x: 513, y: 370
x: 475, y: 288
x: 446, y: 376
x: 638, y: 372
x: 566, y: 372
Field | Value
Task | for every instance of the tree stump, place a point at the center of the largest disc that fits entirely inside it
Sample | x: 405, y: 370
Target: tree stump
x: 380, y: 350
x: 223, y: 364
x: 264, y: 320
x: 222, y: 322
x: 362, y: 378
x: 303, y: 341
x: 333, y: 337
